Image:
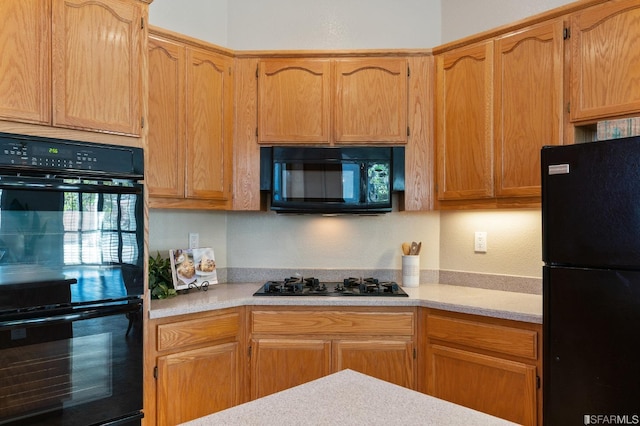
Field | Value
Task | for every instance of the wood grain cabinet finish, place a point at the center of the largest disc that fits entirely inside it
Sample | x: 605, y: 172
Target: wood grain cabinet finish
x: 75, y: 64
x: 605, y: 61
x: 294, y: 100
x: 194, y: 366
x: 190, y: 125
x: 25, y: 65
x: 370, y: 100
x: 529, y: 72
x: 327, y: 101
x: 490, y: 365
x: 292, y: 346
x: 97, y: 50
x: 464, y: 110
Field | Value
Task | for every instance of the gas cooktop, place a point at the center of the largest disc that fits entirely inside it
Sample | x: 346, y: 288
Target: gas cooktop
x: 298, y: 286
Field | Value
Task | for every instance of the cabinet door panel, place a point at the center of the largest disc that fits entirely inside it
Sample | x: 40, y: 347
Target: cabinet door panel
x: 278, y: 364
x: 209, y: 376
x: 294, y: 101
x: 528, y: 105
x: 97, y: 46
x: 387, y: 360
x: 605, y: 55
x: 166, y: 141
x: 24, y: 65
x: 371, y: 100
x: 464, y: 122
x: 209, y: 120
x: 499, y: 387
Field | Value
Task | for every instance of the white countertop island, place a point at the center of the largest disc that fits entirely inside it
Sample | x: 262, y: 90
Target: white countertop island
x: 348, y: 398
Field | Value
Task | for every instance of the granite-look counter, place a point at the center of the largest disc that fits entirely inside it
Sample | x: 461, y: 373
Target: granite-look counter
x: 491, y: 303
x: 348, y: 398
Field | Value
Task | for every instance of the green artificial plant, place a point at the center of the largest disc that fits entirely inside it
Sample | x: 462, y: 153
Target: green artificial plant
x: 160, y: 279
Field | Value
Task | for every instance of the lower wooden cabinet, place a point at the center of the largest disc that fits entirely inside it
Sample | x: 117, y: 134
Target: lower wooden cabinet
x: 194, y: 366
x: 291, y: 346
x: 487, y: 364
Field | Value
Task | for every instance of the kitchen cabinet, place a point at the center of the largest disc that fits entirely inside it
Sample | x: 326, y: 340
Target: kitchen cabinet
x: 464, y: 110
x: 327, y: 101
x: 26, y: 78
x: 605, y: 61
x: 487, y: 364
x: 194, y: 366
x: 294, y: 101
x: 290, y: 345
x: 79, y: 66
x: 529, y: 73
x: 499, y: 101
x: 190, y: 124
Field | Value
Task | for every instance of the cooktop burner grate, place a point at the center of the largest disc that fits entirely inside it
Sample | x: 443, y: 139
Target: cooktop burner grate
x: 299, y: 286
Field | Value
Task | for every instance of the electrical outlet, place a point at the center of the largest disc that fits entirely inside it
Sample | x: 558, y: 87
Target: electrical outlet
x: 480, y: 245
x: 194, y: 240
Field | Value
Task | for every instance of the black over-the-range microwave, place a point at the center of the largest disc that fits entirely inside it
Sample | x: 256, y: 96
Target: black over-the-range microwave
x: 331, y: 180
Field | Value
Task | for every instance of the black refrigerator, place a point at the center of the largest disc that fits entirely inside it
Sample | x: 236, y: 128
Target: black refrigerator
x: 591, y: 283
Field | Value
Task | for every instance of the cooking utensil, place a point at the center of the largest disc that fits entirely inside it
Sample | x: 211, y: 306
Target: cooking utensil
x: 406, y: 248
x: 413, y: 249
x: 419, y: 248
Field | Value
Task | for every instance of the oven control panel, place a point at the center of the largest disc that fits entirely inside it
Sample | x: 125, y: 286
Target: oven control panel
x: 43, y: 154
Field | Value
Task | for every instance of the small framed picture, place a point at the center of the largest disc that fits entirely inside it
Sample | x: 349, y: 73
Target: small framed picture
x: 193, y: 268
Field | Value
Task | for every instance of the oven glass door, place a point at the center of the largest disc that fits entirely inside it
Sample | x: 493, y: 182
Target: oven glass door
x: 72, y: 366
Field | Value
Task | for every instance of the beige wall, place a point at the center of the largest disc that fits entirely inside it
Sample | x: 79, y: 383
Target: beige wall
x: 254, y: 239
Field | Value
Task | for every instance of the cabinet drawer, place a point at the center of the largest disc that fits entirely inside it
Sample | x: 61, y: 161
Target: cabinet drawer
x: 333, y: 322
x: 197, y: 331
x: 506, y: 340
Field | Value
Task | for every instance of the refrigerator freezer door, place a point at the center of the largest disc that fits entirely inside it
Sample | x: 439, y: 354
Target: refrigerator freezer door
x: 591, y: 331
x: 591, y: 204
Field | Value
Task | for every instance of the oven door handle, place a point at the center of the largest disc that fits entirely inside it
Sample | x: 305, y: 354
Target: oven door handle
x: 76, y: 315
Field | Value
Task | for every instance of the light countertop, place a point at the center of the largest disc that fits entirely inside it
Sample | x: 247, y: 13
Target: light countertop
x: 491, y: 303
x: 348, y: 398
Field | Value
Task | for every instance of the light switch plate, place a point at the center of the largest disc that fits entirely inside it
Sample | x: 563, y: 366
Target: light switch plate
x: 194, y: 240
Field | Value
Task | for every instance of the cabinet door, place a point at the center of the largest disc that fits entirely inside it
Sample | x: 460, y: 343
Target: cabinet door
x: 294, y: 101
x: 371, y: 98
x: 278, y: 364
x: 528, y: 105
x: 166, y: 139
x: 605, y: 57
x: 496, y: 386
x: 464, y: 93
x: 387, y: 360
x: 97, y: 46
x: 209, y: 125
x: 195, y: 383
x: 25, y: 43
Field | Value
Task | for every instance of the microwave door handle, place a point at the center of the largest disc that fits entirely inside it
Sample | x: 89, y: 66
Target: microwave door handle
x: 363, y: 183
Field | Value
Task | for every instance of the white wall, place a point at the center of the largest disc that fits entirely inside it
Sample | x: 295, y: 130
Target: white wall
x: 266, y: 240
x: 461, y: 18
x: 202, y: 19
x: 333, y: 24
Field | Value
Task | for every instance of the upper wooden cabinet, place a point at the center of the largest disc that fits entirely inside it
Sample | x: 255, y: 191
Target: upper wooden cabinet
x: 165, y: 156
x: 326, y: 101
x: 605, y: 61
x: 189, y: 155
x: 25, y: 86
x: 499, y: 102
x: 370, y: 100
x: 97, y: 46
x: 294, y: 101
x: 95, y: 50
x: 528, y: 105
x: 464, y: 96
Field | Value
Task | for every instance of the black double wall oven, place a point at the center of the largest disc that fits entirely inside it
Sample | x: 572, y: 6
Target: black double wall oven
x: 71, y: 282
